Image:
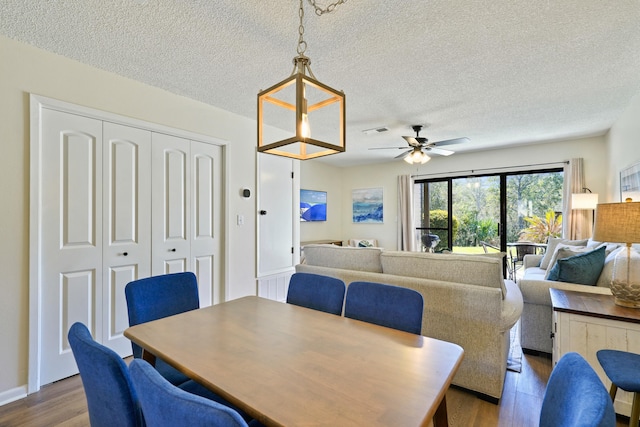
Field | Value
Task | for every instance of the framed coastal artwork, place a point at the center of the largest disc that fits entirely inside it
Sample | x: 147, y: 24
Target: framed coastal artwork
x: 313, y: 205
x: 367, y: 205
x: 630, y: 183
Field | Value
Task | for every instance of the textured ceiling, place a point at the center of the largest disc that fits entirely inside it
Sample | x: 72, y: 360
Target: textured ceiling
x: 499, y: 72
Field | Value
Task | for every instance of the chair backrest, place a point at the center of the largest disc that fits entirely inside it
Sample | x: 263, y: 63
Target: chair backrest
x: 385, y: 305
x: 525, y: 249
x: 111, y: 398
x: 575, y: 396
x: 164, y: 404
x: 161, y: 296
x: 318, y: 292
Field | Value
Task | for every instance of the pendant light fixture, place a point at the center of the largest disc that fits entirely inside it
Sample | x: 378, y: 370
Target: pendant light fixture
x: 316, y: 111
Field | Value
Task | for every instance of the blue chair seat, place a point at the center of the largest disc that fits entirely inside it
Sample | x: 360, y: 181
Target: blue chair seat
x: 111, y: 397
x: 623, y: 369
x: 318, y: 292
x: 165, y: 405
x: 575, y: 396
x: 385, y: 305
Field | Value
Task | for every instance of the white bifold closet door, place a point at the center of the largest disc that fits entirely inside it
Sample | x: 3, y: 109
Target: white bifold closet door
x: 92, y: 241
x: 119, y: 203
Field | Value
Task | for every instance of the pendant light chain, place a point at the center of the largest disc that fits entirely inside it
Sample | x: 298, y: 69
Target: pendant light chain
x: 328, y: 9
x: 302, y: 45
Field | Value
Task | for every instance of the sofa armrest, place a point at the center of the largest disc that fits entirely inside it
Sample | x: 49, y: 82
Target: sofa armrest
x: 531, y: 260
x: 512, y: 306
x: 537, y: 291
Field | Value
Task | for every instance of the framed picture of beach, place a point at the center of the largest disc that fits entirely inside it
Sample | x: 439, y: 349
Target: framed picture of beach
x: 367, y: 205
x: 313, y: 205
x: 630, y: 183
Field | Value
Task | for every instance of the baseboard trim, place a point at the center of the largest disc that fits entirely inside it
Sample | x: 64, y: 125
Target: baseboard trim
x: 13, y: 395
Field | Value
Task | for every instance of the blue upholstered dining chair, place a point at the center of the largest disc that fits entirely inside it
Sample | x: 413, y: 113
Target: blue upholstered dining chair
x: 318, y: 292
x: 385, y: 305
x: 623, y: 369
x: 161, y: 296
x: 575, y: 396
x: 164, y: 404
x: 111, y: 398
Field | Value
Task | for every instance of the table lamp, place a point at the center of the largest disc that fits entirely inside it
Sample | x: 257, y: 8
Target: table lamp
x: 620, y: 223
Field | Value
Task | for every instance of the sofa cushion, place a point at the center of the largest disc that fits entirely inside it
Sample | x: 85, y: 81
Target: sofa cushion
x: 551, y: 246
x: 584, y: 268
x: 358, y: 259
x: 472, y: 270
x: 565, y: 251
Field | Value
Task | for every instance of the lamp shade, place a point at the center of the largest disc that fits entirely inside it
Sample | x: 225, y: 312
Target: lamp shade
x: 617, y: 222
x: 587, y: 201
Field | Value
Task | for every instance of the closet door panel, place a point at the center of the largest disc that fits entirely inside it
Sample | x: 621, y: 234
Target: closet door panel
x: 171, y: 169
x: 206, y: 184
x: 126, y: 224
x: 71, y: 246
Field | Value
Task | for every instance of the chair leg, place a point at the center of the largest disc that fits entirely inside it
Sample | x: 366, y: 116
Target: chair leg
x: 635, y: 411
x: 612, y: 392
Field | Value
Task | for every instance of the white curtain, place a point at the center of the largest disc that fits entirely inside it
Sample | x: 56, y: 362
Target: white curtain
x: 406, y: 227
x: 576, y: 223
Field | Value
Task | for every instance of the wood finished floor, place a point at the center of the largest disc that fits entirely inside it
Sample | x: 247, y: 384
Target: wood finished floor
x: 63, y: 403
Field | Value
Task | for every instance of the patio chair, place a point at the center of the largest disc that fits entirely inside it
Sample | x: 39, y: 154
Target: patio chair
x: 521, y: 249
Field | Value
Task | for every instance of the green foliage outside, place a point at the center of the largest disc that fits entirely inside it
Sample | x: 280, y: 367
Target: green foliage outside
x: 533, y: 206
x: 440, y: 219
x: 540, y: 229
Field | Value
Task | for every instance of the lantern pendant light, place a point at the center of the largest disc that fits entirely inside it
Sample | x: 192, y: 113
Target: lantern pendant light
x: 316, y: 110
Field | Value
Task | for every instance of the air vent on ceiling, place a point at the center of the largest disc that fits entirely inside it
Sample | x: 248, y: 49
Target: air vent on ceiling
x: 375, y: 130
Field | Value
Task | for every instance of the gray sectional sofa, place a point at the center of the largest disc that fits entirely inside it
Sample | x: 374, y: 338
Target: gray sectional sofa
x: 536, y: 324
x: 466, y: 301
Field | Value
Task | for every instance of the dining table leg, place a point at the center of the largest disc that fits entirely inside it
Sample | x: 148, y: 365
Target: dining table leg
x: 148, y: 357
x: 440, y: 418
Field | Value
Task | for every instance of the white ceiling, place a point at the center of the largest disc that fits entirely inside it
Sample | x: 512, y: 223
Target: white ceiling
x: 500, y: 72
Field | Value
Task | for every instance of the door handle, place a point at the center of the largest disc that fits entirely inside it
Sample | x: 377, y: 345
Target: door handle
x: 172, y: 250
x: 263, y: 212
x: 125, y: 253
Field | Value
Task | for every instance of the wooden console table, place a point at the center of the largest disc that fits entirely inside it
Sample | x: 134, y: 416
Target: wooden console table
x: 585, y: 323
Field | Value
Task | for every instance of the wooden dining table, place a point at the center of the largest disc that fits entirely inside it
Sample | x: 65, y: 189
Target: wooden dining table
x: 287, y: 365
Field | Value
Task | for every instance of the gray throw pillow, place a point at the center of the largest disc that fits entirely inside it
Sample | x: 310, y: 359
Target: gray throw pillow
x: 551, y: 247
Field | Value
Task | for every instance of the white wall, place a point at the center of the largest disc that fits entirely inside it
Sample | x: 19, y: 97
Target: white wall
x: 25, y: 69
x: 624, y: 147
x: 315, y: 175
x: 592, y: 150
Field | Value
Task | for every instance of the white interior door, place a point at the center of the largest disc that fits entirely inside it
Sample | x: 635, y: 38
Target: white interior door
x: 276, y: 212
x: 170, y: 171
x: 71, y: 247
x: 206, y: 223
x: 126, y: 227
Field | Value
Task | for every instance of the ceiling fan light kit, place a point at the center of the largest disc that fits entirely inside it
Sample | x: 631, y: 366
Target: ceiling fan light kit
x: 420, y: 146
x: 316, y: 110
x: 416, y: 156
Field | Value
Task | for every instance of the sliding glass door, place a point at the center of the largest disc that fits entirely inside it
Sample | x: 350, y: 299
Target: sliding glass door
x: 481, y: 213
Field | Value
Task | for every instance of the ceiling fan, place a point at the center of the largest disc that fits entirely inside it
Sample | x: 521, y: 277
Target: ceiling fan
x: 420, y: 147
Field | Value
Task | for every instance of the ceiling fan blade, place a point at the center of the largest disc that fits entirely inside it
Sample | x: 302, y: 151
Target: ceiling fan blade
x: 388, y: 148
x: 403, y: 155
x: 412, y: 140
x: 452, y: 141
x: 439, y: 151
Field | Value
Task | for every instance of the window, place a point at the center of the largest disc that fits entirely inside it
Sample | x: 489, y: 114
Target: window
x: 460, y: 213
